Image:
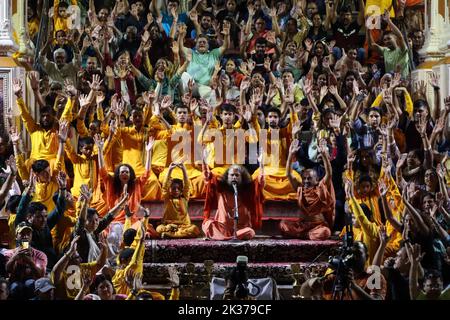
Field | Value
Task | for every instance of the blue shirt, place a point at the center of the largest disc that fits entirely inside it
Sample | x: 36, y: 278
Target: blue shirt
x: 168, y: 20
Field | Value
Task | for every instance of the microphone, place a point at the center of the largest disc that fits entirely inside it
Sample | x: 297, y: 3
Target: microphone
x: 234, y: 184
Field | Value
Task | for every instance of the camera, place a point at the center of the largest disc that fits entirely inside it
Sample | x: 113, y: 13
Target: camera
x: 237, y: 288
x: 342, y: 264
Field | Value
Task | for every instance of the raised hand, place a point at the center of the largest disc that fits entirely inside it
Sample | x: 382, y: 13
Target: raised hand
x: 11, y: 164
x: 109, y: 72
x: 323, y: 147
x: 289, y: 95
x: 355, y: 87
x: 34, y: 80
x: 447, y: 104
x: 193, y: 15
x: 267, y: 64
x: 147, y: 46
x: 323, y: 91
x: 384, y: 237
x: 335, y: 121
x: 434, y: 80
x: 402, y: 160
x: 69, y: 88
x: 348, y: 188
x: 96, y: 82
x: 382, y: 187
x: 150, y: 143
x: 117, y: 105
x: 166, y: 103
x: 73, y: 246
x: 175, y: 48
x: 308, y: 44
x: 173, y: 278
x: 243, y: 68
x: 86, y: 42
x: 414, y: 253
x: 308, y: 86
x: 296, y: 128
x: 245, y: 84
x: 17, y: 87
x: 99, y: 142
x: 294, y: 147
x: 145, y: 37
x: 226, y: 30
x: 247, y: 114
x: 84, y: 101
x: 100, y: 97
x: 386, y: 16
x: 85, y: 193
x: 182, y: 29
x: 251, y: 65
x: 273, y: 12
x: 421, y: 125
x: 63, y: 130
x: 440, y: 171
x: 314, y: 62
x: 14, y: 135
x: 61, y: 178
x: 421, y: 88
x: 333, y: 90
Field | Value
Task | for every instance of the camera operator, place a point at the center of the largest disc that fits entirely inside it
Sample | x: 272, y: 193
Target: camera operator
x: 357, y: 280
x: 236, y: 282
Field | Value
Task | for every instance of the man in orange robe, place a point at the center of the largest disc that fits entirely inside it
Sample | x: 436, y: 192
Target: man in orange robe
x: 220, y: 199
x: 316, y: 200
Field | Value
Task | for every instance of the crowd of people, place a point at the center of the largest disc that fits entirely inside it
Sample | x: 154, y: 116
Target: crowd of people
x: 167, y: 101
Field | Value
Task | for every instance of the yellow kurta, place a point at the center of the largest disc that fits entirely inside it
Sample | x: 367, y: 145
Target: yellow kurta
x: 133, y: 144
x: 369, y: 230
x: 69, y: 286
x: 86, y: 172
x: 44, y: 143
x: 227, y: 146
x: 44, y: 191
x: 136, y: 267
x: 176, y: 222
x: 12, y: 230
x: 379, y: 6
x: 181, y: 135
x: 276, y: 183
x: 61, y: 23
x: 371, y: 201
x: 395, y: 201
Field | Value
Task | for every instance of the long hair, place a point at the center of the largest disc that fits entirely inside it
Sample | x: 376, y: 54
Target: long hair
x: 118, y: 184
x: 245, y: 176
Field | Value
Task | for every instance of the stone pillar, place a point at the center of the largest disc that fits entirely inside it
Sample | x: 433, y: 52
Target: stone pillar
x: 433, y: 49
x: 7, y: 45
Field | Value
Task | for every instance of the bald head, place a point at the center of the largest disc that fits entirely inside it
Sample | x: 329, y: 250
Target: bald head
x: 310, y: 178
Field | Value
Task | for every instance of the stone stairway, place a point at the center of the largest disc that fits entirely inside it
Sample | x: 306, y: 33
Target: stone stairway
x: 268, y: 257
x: 268, y: 254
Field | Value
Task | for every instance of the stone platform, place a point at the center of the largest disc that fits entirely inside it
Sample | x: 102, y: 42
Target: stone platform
x: 268, y: 257
x: 257, y: 250
x: 156, y: 273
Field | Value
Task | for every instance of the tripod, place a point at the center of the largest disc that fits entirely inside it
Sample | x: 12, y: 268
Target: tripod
x: 341, y: 285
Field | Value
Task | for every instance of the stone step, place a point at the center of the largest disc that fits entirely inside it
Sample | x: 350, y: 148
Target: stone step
x: 272, y: 210
x: 156, y: 273
x: 257, y: 250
